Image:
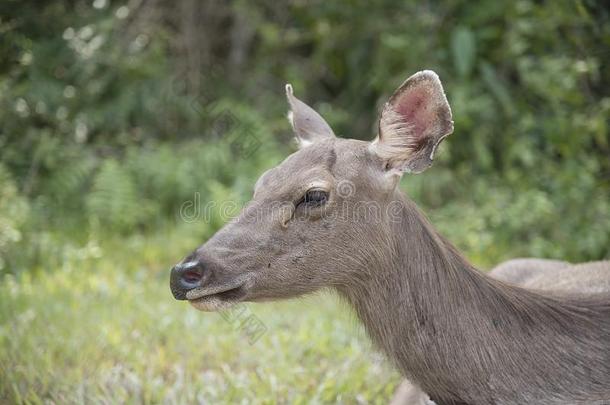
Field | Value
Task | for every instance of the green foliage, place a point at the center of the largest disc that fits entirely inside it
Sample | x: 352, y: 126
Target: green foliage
x: 13, y: 215
x: 104, y: 129
x: 113, y: 198
x: 504, y: 224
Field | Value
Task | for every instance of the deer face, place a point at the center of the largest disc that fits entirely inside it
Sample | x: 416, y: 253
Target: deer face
x: 316, y: 219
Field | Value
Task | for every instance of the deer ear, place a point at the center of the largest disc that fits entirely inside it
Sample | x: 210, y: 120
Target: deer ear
x: 413, y: 123
x: 307, y: 124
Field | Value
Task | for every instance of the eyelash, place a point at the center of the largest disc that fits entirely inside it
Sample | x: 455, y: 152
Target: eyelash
x: 314, y: 198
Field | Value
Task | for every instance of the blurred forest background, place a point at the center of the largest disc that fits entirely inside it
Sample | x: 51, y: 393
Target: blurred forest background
x: 113, y: 114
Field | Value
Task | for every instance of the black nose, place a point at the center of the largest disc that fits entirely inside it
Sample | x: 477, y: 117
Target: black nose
x: 185, y: 277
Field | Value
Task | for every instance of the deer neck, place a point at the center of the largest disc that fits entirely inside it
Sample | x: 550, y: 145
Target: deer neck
x: 450, y: 328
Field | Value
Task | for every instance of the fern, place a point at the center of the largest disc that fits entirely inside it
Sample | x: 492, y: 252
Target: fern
x: 113, y: 200
x: 67, y: 183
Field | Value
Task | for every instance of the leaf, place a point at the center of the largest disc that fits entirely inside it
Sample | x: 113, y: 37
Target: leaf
x: 463, y: 49
x: 497, y: 87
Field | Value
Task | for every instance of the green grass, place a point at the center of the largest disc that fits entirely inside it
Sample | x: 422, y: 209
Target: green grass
x: 104, y: 328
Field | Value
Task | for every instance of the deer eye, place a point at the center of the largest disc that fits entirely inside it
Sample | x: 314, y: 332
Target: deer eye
x: 314, y: 198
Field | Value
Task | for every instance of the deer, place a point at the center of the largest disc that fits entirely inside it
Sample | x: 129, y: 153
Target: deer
x: 332, y: 216
x: 543, y: 274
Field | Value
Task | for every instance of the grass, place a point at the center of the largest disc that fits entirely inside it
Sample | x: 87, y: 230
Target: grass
x: 104, y: 328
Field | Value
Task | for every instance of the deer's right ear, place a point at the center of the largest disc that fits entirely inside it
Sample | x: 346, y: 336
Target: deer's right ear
x: 413, y: 123
x: 307, y: 124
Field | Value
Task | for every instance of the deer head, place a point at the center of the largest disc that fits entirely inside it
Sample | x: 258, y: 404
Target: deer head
x: 323, y: 217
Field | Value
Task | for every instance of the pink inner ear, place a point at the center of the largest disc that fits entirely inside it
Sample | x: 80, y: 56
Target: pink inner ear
x: 413, y: 107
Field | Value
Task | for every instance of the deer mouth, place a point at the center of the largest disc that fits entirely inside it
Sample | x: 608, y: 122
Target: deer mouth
x: 218, y: 298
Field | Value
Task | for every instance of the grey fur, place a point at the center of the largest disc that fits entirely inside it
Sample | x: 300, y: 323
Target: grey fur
x: 543, y: 274
x: 458, y: 334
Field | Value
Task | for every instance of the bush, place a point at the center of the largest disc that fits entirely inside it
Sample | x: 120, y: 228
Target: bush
x: 14, y: 210
x: 113, y: 117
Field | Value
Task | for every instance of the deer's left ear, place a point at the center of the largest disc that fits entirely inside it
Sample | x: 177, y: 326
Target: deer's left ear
x: 413, y: 123
x: 307, y: 124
